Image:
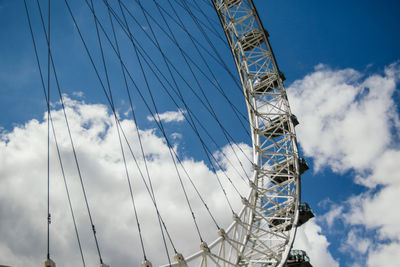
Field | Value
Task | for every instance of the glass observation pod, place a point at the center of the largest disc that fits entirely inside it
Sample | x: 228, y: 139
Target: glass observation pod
x: 252, y: 40
x: 232, y: 3
x: 298, y: 258
x: 305, y: 213
x: 283, y: 170
x: 267, y: 83
x: 279, y: 126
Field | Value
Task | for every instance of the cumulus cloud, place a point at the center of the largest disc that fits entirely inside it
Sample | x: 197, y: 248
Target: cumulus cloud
x: 310, y: 239
x: 346, y: 118
x: 168, y: 116
x: 347, y: 123
x: 384, y: 255
x: 176, y: 136
x: 355, y: 242
x: 332, y: 215
x: 23, y: 192
x: 350, y: 122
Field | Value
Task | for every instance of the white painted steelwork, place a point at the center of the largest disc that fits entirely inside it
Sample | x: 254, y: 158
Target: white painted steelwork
x: 263, y: 232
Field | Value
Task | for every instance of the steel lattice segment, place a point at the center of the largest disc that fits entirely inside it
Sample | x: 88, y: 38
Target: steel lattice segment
x: 263, y: 232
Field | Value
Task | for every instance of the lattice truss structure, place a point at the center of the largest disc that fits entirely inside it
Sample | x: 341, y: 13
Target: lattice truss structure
x: 263, y: 232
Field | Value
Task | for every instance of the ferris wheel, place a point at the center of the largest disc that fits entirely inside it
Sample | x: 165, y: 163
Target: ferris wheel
x: 263, y: 231
x: 262, y: 234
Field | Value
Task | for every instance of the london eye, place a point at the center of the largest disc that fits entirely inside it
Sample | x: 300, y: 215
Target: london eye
x: 263, y: 229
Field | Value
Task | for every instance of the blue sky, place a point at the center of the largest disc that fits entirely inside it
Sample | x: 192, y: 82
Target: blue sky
x: 341, y: 61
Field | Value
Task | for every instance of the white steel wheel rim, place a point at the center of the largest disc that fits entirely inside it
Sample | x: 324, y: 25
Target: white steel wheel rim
x: 263, y: 232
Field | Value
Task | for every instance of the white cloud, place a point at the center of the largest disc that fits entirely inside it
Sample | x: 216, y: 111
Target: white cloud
x: 23, y: 193
x: 310, y: 239
x: 349, y: 121
x: 355, y: 242
x: 376, y: 211
x: 345, y: 120
x: 168, y: 116
x: 385, y: 255
x: 385, y: 170
x: 176, y: 136
x: 78, y: 94
x: 332, y: 215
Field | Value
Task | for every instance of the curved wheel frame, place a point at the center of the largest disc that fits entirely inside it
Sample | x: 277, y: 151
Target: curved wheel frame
x: 263, y: 232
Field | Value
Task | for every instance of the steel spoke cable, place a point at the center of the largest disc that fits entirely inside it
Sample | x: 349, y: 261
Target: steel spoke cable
x: 239, y: 87
x: 152, y: 195
x: 223, y: 93
x: 208, y: 3
x: 153, y: 101
x: 218, y: 59
x: 108, y: 99
x: 132, y: 80
x: 211, y: 21
x: 166, y: 138
x: 147, y: 186
x: 131, y: 192
x: 122, y: 149
x: 48, y: 133
x: 219, y: 88
x: 213, y: 168
x: 199, y: 69
x: 199, y: 86
x: 173, y: 78
x: 190, y: 121
x: 118, y: 131
x: 131, y: 37
x: 160, y: 120
x: 214, y: 115
x: 170, y: 145
x: 67, y: 192
x: 189, y: 111
x: 128, y: 92
x: 71, y: 139
x: 54, y: 134
x: 150, y: 66
x: 210, y: 25
x: 181, y: 96
x: 208, y: 102
x: 162, y: 130
x: 135, y: 86
x: 175, y: 69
